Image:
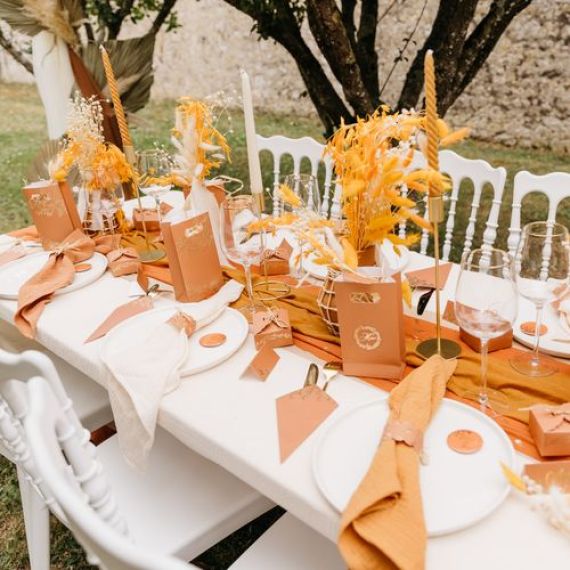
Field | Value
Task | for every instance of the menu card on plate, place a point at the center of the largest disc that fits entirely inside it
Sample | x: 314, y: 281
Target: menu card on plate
x: 53, y: 210
x: 193, y: 258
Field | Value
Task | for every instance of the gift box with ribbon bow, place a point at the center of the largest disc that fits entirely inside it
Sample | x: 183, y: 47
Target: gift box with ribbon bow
x: 550, y: 429
x: 276, y: 261
x: 272, y: 328
x: 123, y: 261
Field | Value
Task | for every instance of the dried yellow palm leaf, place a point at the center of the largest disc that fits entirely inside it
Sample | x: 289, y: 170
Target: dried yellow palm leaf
x: 51, y: 17
x: 407, y: 292
x: 513, y: 478
x: 455, y: 137
x: 288, y: 196
x: 350, y: 254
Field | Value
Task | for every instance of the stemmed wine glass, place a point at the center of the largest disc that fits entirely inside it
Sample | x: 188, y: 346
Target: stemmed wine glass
x: 486, y: 307
x: 541, y: 268
x: 306, y: 187
x: 240, y: 245
x: 153, y: 167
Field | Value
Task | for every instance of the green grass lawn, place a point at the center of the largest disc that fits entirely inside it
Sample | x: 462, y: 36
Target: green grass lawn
x: 22, y: 132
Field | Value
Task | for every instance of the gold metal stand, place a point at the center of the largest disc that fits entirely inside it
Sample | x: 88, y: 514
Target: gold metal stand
x: 442, y: 346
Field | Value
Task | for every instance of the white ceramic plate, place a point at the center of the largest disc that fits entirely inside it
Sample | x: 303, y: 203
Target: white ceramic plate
x: 548, y: 342
x: 457, y: 490
x: 230, y: 322
x: 320, y: 271
x: 14, y: 274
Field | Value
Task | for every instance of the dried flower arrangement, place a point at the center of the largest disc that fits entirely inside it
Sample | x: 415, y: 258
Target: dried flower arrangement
x: 103, y: 166
x: 553, y: 501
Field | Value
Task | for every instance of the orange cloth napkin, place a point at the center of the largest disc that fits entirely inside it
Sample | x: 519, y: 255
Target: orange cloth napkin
x: 383, y: 526
x: 58, y: 272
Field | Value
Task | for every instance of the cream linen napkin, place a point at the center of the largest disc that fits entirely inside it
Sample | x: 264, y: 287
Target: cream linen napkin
x: 140, y: 375
x: 383, y: 526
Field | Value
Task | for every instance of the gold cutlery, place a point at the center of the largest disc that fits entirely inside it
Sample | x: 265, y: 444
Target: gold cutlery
x: 330, y: 370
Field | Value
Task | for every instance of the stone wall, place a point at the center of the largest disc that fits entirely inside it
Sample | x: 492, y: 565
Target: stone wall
x: 521, y: 97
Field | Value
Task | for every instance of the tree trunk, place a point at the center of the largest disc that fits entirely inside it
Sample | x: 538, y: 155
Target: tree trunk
x: 9, y: 46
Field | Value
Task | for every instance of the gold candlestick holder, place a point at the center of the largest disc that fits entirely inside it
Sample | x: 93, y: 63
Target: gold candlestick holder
x: 443, y: 346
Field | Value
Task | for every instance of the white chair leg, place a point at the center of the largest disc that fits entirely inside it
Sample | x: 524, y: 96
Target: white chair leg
x: 36, y: 520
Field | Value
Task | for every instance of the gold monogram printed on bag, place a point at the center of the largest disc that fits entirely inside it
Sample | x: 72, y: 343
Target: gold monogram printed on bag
x: 367, y: 337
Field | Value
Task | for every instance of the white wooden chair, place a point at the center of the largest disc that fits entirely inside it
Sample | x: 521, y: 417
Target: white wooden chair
x: 287, y: 545
x: 182, y: 505
x: 479, y: 172
x: 556, y: 187
x: 299, y: 149
x: 92, y: 406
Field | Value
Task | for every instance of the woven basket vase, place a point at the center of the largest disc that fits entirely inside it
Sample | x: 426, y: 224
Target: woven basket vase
x: 327, y: 303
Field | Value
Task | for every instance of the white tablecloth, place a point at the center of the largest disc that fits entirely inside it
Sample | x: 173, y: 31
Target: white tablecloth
x: 232, y: 422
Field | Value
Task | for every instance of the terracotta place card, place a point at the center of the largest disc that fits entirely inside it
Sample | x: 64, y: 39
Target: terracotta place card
x: 371, y: 321
x: 193, y: 258
x: 271, y: 328
x: 53, y: 211
x: 426, y: 277
x: 262, y: 364
x: 550, y: 429
x: 12, y: 254
x: 119, y: 315
x: 551, y: 473
x: 299, y: 414
x: 276, y: 261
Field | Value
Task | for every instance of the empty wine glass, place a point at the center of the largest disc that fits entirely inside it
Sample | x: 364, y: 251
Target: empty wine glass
x: 541, y: 268
x: 306, y: 187
x: 240, y: 245
x: 154, y: 166
x: 486, y: 307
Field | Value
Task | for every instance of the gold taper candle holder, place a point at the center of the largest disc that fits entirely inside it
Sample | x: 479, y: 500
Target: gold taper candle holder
x: 442, y: 346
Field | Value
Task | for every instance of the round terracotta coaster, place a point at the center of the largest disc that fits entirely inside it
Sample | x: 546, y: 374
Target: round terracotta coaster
x: 465, y: 441
x: 80, y: 267
x: 529, y: 328
x: 212, y: 340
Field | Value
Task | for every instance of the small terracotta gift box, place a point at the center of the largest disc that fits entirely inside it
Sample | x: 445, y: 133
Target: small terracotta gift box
x: 150, y: 216
x: 277, y: 260
x: 53, y: 210
x: 123, y: 261
x: 550, y: 429
x: 272, y: 328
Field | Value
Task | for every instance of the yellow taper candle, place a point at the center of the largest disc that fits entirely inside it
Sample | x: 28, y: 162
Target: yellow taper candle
x: 431, y: 117
x: 116, y: 98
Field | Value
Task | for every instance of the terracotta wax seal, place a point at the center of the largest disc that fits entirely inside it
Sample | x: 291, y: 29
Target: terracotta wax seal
x: 529, y: 327
x: 80, y: 267
x: 465, y: 441
x: 213, y: 340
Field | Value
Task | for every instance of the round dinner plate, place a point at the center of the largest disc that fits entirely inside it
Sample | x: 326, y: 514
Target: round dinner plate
x: 549, y: 342
x: 458, y: 490
x: 14, y: 274
x: 230, y: 323
x: 320, y: 271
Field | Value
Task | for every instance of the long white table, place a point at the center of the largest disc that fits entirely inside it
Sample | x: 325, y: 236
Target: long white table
x: 232, y: 422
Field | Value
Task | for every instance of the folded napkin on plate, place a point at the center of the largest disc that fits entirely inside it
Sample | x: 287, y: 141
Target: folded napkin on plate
x: 138, y: 379
x: 57, y: 273
x: 383, y: 525
x: 12, y: 254
x: 562, y: 305
x: 143, y: 373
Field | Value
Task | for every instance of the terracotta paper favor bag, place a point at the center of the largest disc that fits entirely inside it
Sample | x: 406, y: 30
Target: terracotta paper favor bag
x: 53, y: 211
x: 371, y: 321
x: 193, y: 258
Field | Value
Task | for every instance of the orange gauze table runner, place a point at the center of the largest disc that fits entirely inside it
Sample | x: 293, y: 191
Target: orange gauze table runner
x: 311, y: 334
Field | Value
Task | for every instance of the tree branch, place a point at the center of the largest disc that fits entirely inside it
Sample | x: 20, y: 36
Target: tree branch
x: 325, y: 22
x: 446, y: 39
x: 366, y: 48
x: 9, y: 46
x: 483, y: 40
x: 282, y: 26
x: 163, y: 13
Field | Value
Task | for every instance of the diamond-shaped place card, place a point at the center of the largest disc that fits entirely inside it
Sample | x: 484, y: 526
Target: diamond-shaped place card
x: 262, y: 364
x: 299, y: 414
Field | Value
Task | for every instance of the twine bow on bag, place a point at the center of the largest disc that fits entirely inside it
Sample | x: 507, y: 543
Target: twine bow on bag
x: 58, y: 272
x: 271, y: 316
